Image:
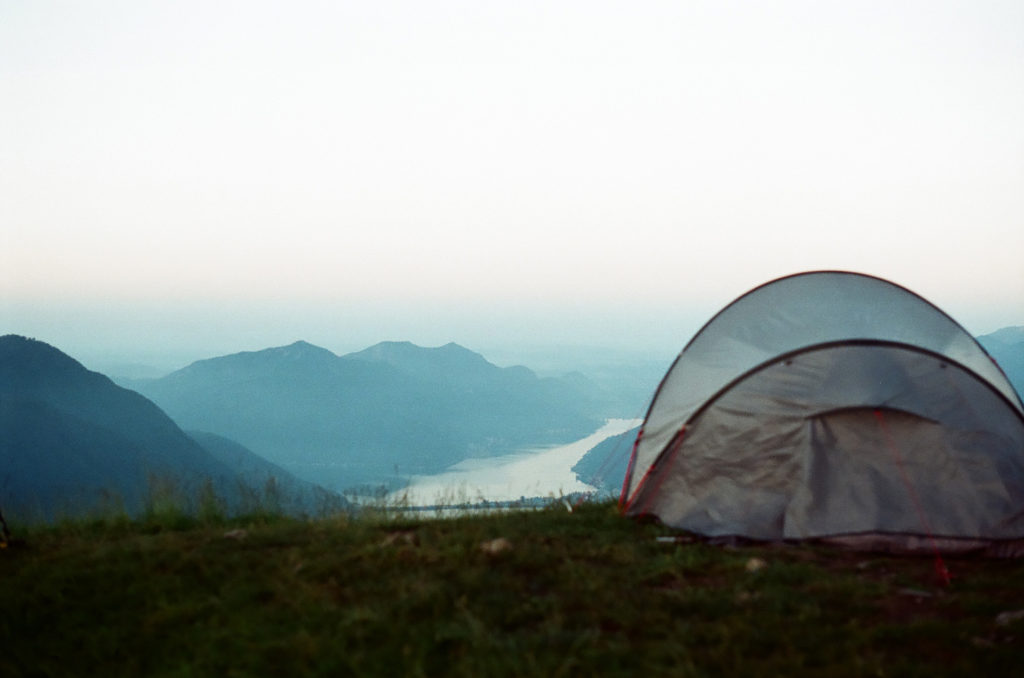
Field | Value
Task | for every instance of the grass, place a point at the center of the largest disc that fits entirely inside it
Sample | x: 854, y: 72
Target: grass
x: 567, y: 594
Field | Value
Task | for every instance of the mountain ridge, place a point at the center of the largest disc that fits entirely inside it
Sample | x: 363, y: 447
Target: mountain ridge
x: 71, y: 439
x: 1006, y: 347
x: 394, y: 405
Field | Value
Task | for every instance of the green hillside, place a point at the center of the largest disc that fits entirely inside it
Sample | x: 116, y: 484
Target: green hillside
x: 546, y: 593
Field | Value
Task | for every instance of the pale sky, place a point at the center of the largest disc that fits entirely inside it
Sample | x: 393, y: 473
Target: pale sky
x: 195, y: 178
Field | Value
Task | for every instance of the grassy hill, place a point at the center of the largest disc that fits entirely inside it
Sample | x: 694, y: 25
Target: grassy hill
x: 516, y: 594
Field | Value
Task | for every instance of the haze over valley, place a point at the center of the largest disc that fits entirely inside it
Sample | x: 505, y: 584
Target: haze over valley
x: 346, y: 244
x: 380, y: 414
x: 295, y: 425
x: 306, y: 430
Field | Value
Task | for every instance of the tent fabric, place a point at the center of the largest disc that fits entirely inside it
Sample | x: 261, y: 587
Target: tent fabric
x: 829, y: 404
x: 794, y: 312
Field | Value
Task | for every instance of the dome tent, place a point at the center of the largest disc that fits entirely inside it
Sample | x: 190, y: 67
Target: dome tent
x: 839, y: 406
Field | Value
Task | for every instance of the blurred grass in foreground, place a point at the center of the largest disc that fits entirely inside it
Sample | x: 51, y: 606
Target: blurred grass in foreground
x: 547, y: 592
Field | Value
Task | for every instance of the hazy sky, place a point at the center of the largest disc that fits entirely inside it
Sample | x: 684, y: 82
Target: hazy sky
x: 192, y: 178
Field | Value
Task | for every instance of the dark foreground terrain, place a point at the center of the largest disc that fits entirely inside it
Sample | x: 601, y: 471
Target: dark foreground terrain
x: 547, y: 592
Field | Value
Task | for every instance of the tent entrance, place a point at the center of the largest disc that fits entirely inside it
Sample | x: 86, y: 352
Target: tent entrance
x: 870, y: 470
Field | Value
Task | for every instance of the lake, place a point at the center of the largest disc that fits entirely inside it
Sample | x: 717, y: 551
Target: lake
x: 529, y: 473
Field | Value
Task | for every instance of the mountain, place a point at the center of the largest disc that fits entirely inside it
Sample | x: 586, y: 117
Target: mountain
x: 71, y: 440
x: 1006, y: 346
x: 449, y: 363
x: 374, y: 416
x: 604, y: 466
x: 267, y: 485
x: 53, y: 463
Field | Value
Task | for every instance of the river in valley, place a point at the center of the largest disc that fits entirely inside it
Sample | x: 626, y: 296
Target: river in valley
x: 543, y: 472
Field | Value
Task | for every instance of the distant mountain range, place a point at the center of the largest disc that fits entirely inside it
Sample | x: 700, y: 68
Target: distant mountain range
x: 71, y: 441
x: 1006, y: 346
x: 378, y: 415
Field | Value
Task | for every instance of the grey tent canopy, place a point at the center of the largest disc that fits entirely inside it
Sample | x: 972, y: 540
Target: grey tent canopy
x: 838, y: 406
